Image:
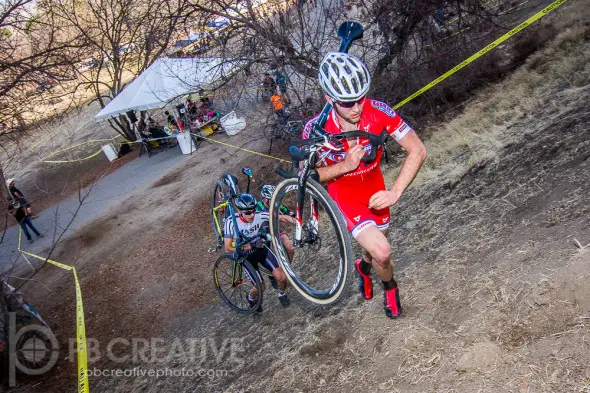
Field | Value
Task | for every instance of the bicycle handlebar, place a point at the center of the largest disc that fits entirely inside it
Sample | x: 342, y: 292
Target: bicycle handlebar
x: 300, y: 150
x: 262, y: 234
x: 376, y: 141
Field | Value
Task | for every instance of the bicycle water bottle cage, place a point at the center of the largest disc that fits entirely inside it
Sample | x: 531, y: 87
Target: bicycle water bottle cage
x: 232, y: 182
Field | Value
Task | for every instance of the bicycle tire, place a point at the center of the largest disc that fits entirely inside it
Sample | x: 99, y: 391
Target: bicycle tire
x: 241, y: 276
x: 301, y: 277
x: 270, y: 132
x: 220, y: 195
x: 294, y: 132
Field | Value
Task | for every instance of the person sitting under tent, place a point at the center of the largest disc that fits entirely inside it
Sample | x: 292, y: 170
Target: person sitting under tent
x: 192, y: 108
x: 170, y: 118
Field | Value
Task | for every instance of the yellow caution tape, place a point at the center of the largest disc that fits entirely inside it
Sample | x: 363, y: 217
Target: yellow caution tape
x: 240, y: 148
x: 65, y: 161
x: 48, y: 136
x: 87, y: 142
x: 80, y: 324
x: 75, y: 146
x: 81, y: 339
x: 483, y: 51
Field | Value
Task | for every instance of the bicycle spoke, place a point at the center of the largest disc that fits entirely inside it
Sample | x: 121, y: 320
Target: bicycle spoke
x: 232, y: 284
x: 319, y: 266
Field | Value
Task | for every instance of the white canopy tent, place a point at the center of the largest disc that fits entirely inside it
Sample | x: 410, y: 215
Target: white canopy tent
x: 165, y: 80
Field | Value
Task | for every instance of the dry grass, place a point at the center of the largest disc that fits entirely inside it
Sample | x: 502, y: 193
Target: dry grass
x: 550, y: 78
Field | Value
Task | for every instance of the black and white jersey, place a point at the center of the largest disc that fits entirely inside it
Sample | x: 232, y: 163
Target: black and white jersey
x: 249, y: 229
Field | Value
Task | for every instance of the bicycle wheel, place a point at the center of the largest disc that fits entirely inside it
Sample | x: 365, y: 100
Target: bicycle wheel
x: 322, y: 263
x: 292, y: 131
x: 271, y: 132
x: 234, y: 280
x: 220, y: 195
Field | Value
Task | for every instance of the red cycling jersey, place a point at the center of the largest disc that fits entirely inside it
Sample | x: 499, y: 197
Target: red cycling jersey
x: 353, y: 190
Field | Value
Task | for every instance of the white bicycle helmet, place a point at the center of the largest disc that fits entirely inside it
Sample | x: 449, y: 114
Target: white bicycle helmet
x: 267, y: 191
x: 344, y: 77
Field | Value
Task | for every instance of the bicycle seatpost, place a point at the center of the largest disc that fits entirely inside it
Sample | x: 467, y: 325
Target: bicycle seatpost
x: 248, y: 172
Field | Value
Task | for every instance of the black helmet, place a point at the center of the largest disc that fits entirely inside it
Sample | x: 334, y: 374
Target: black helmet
x: 245, y: 202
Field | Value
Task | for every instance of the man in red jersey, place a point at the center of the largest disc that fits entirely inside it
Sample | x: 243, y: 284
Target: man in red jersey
x: 358, y: 188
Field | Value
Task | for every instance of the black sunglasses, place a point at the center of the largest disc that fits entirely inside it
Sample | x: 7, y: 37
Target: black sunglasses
x: 349, y: 105
x: 247, y: 212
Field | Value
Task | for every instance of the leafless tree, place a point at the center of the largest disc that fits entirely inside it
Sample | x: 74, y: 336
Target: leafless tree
x: 35, y: 54
x: 407, y: 43
x: 122, y: 38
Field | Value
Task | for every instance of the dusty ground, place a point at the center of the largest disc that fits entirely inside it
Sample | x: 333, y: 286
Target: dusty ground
x: 491, y: 250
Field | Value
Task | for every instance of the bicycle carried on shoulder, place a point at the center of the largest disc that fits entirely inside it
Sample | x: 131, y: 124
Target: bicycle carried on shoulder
x: 321, y: 233
x: 233, y: 275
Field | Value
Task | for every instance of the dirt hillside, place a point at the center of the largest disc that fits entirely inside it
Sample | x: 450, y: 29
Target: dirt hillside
x: 491, y: 247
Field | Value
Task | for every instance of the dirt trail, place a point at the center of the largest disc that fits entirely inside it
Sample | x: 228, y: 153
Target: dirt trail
x: 486, y: 247
x: 495, y: 289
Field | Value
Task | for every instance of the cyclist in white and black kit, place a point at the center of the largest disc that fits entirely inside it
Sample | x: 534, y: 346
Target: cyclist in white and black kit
x: 249, y: 223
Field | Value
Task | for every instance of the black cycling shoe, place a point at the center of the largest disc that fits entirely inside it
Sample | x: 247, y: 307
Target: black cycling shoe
x: 273, y: 282
x: 253, y: 304
x: 284, y: 300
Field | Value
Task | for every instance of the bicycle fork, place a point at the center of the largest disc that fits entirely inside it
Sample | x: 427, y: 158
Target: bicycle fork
x: 312, y: 226
x: 213, y: 250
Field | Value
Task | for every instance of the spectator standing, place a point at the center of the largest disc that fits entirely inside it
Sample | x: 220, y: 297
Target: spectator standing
x: 170, y: 118
x: 19, y: 196
x: 192, y: 108
x: 279, y: 103
x: 19, y: 212
x: 282, y: 81
x: 269, y: 86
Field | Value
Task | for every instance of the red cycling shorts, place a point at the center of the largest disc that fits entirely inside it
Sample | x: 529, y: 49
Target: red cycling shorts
x: 353, y: 202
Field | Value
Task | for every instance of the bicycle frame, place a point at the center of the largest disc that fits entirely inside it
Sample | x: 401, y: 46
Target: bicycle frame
x: 229, y: 204
x: 215, y: 210
x: 307, y: 155
x: 298, y: 241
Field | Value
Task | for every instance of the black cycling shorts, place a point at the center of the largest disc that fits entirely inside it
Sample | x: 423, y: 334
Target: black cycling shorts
x: 261, y: 256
